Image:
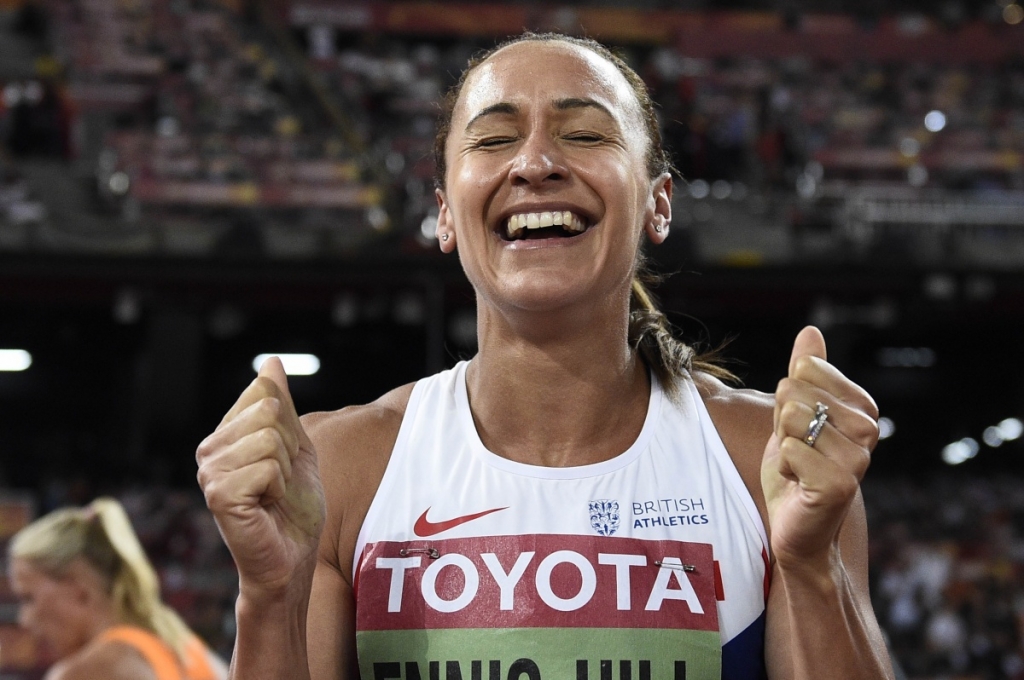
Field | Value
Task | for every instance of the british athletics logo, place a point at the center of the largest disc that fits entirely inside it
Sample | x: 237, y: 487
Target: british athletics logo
x: 604, y: 516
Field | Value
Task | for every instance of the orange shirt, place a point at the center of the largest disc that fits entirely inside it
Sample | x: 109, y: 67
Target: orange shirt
x: 161, y: 657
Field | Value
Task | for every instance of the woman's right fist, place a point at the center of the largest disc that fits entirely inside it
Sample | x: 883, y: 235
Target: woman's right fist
x: 259, y: 473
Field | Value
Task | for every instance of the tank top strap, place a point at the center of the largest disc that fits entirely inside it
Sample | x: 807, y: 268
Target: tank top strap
x: 197, y: 661
x: 157, y: 653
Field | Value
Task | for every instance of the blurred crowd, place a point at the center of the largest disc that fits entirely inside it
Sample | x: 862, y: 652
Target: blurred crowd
x: 193, y: 105
x: 947, y: 565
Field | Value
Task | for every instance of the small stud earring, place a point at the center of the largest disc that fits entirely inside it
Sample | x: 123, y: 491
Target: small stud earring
x: 657, y: 228
x: 444, y: 237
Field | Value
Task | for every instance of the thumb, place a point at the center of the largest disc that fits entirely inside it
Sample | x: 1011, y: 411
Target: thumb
x: 809, y: 342
x: 273, y: 369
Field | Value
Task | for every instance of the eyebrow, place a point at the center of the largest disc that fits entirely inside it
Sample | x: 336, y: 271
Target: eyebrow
x: 566, y: 104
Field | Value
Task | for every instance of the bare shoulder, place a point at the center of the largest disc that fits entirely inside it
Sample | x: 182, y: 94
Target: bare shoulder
x: 743, y: 418
x: 353, y: 446
x: 365, y: 420
x: 108, y: 660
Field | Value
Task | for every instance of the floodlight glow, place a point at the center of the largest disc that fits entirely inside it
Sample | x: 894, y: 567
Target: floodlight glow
x: 935, y: 121
x: 960, y: 452
x: 953, y: 454
x: 1013, y: 14
x: 910, y: 147
x: 428, y: 227
x: 14, y: 360
x: 886, y: 428
x: 992, y: 437
x: 699, y: 189
x: 1010, y: 429
x: 294, y: 364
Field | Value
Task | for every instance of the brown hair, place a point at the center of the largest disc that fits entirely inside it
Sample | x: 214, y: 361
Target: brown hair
x: 650, y: 331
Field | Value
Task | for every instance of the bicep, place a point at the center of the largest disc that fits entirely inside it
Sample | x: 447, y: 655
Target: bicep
x: 330, y: 626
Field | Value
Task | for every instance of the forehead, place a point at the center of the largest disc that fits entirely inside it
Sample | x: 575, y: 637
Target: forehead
x: 541, y: 72
x: 24, y: 576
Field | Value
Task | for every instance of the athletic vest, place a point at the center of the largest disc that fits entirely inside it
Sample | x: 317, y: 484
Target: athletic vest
x: 159, y: 655
x: 652, y: 565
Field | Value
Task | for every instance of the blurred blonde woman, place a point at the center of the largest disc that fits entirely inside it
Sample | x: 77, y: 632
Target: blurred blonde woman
x: 87, y: 591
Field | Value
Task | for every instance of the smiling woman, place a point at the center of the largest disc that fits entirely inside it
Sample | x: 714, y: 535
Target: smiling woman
x: 595, y: 492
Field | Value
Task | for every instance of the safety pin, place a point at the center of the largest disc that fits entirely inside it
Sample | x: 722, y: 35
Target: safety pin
x: 684, y: 567
x: 432, y: 553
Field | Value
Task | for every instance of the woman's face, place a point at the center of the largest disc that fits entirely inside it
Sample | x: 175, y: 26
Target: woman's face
x: 51, y: 609
x: 549, y: 133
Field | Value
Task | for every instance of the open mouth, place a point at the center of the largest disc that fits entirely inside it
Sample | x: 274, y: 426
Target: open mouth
x: 553, y: 224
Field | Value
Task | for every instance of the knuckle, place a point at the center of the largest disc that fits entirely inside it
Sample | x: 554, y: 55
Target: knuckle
x: 269, y: 439
x: 791, y: 413
x: 782, y: 388
x: 847, y: 486
x: 803, y: 366
x: 205, y: 449
x: 788, y: 446
x: 270, y: 407
x: 867, y: 432
x: 213, y: 495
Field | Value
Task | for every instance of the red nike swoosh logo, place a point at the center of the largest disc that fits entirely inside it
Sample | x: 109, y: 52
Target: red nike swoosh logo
x: 425, y: 527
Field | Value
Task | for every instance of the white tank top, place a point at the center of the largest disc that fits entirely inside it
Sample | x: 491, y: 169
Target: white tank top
x: 651, y: 565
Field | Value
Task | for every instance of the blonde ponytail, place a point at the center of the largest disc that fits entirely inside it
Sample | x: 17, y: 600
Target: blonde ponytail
x: 102, y: 534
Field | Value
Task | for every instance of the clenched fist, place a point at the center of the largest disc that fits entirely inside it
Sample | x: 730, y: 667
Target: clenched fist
x: 809, y: 489
x: 261, y: 479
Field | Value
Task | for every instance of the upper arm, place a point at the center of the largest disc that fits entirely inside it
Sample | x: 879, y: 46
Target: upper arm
x: 330, y: 626
x: 353, y: 448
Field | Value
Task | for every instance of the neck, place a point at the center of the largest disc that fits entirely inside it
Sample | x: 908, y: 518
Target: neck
x: 563, y: 392
x: 101, y: 620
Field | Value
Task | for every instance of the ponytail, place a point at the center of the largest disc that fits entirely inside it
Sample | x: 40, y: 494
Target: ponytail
x: 650, y: 333
x: 135, y: 587
x: 102, y: 535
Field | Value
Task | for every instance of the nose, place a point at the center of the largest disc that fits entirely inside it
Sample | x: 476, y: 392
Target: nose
x: 539, y: 161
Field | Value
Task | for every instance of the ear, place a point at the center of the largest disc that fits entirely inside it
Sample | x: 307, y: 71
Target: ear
x: 445, y: 224
x: 659, y: 209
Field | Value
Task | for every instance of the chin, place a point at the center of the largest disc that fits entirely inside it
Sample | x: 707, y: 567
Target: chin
x: 541, y: 295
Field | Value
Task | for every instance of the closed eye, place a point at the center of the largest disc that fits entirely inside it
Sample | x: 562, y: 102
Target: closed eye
x: 584, y: 137
x: 491, y: 142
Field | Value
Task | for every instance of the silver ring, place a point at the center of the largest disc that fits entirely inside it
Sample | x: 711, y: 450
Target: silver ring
x: 817, y: 424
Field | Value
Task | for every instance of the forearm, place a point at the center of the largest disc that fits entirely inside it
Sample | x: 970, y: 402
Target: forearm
x: 270, y: 641
x: 821, y: 628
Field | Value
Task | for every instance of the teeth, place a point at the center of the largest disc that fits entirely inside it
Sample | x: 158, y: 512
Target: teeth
x: 514, y: 229
x: 564, y: 218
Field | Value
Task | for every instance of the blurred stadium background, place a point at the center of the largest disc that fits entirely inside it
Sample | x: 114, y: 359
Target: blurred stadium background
x: 187, y: 184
